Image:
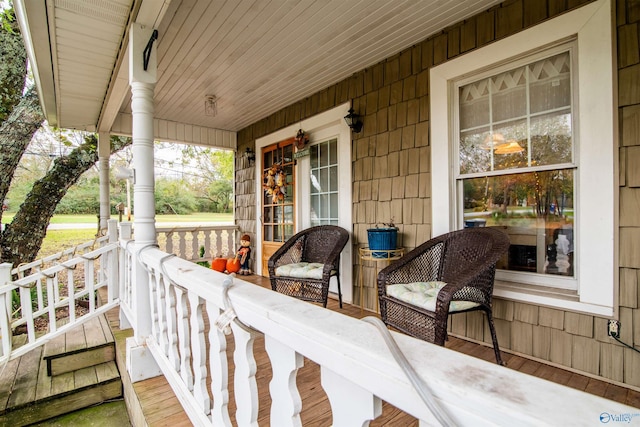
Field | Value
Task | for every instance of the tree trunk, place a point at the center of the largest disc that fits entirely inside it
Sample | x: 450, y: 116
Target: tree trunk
x: 15, y: 135
x: 13, y: 64
x: 22, y: 240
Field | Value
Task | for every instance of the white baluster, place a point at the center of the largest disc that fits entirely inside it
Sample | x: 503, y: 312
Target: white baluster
x: 39, y: 291
x: 123, y: 273
x: 246, y: 388
x: 172, y: 333
x: 169, y: 245
x: 285, y: 398
x: 5, y: 320
x: 219, y: 370
x: 230, y: 242
x: 199, y: 350
x: 51, y: 303
x: 351, y: 405
x: 182, y: 242
x: 56, y: 288
x: 156, y: 306
x: 89, y: 280
x: 207, y: 244
x: 71, y: 293
x: 195, y: 247
x: 162, y: 323
x: 219, y: 248
x: 184, y: 339
x: 5, y: 309
x: 27, y: 312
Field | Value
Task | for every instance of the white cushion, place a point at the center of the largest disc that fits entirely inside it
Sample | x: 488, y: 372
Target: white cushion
x: 424, y: 295
x: 301, y: 270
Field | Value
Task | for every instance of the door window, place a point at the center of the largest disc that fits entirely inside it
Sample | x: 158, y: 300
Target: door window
x: 324, y: 183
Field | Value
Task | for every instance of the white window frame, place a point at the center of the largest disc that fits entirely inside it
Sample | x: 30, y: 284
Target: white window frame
x: 554, y: 281
x: 597, y: 201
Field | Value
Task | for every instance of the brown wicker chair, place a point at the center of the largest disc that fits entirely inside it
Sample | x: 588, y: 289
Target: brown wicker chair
x: 321, y: 244
x: 465, y: 260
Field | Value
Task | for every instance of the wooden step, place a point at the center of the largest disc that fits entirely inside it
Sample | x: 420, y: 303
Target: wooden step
x: 85, y: 374
x: 90, y: 344
x: 36, y: 397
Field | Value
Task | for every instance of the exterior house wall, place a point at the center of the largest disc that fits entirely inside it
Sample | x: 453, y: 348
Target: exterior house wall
x: 392, y: 181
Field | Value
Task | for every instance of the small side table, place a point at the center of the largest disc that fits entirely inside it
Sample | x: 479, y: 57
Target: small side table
x: 377, y: 256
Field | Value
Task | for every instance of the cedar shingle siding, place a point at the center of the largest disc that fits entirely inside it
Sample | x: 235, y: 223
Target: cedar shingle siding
x: 391, y: 179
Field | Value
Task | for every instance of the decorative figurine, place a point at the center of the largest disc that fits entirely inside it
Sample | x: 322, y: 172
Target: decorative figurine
x: 244, y: 253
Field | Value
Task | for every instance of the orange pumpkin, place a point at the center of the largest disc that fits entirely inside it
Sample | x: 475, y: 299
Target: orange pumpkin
x: 219, y: 264
x: 233, y: 265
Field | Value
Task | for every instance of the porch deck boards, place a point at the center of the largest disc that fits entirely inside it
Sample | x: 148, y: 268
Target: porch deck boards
x: 160, y: 407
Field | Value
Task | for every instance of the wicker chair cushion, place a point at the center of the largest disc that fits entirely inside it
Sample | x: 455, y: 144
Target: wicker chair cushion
x: 301, y: 270
x: 424, y: 295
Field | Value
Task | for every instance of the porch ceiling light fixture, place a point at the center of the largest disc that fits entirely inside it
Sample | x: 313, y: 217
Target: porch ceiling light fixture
x: 210, y: 105
x: 511, y: 147
x: 353, y: 121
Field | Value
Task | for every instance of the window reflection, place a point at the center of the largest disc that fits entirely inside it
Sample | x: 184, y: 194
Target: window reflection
x: 535, y: 209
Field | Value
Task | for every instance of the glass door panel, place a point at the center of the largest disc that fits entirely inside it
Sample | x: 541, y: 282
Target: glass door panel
x: 324, y: 183
x: 278, y: 198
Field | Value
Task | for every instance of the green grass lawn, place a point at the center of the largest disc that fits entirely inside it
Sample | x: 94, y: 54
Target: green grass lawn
x: 59, y: 240
x: 88, y: 219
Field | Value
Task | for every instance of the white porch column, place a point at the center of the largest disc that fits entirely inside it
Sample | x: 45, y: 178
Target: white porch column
x: 104, y: 141
x: 140, y: 362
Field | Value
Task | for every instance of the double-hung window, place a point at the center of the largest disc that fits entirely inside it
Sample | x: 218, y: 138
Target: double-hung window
x: 523, y: 138
x: 516, y: 166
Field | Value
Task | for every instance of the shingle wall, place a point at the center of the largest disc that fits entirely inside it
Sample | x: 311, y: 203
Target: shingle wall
x: 392, y: 181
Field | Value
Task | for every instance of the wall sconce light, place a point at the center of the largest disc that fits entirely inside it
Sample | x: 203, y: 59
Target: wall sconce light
x: 250, y: 155
x: 122, y: 172
x: 353, y: 121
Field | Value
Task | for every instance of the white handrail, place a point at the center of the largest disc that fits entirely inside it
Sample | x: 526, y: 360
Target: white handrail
x: 358, y: 370
x: 55, y: 258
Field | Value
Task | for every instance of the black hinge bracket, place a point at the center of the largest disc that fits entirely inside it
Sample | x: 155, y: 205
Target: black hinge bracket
x: 147, y: 50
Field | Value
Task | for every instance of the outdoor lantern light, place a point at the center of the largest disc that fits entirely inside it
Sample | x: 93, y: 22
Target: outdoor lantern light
x: 250, y: 155
x: 353, y: 121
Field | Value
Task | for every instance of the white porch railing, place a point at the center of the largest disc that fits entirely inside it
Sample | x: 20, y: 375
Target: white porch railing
x: 186, y: 242
x: 358, y: 372
x: 33, y: 294
x: 357, y: 369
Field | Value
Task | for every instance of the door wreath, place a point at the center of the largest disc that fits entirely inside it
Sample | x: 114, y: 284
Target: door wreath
x: 275, y: 180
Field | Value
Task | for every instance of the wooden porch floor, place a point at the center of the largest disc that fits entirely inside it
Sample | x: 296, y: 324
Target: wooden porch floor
x: 154, y: 402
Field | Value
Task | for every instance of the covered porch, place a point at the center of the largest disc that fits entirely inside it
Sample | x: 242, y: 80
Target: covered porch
x: 246, y: 76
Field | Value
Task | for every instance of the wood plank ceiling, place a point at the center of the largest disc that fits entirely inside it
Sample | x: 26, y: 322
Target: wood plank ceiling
x: 254, y: 56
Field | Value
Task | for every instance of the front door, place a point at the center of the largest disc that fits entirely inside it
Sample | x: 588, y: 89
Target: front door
x: 278, y: 198
x: 317, y: 191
